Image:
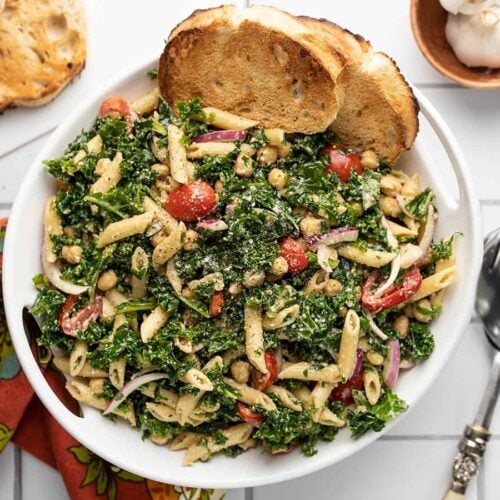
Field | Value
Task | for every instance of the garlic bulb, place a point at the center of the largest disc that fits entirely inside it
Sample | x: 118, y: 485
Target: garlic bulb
x: 476, y: 38
x: 468, y: 7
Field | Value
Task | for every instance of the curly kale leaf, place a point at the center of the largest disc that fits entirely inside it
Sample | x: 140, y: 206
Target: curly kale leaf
x: 376, y: 416
x: 418, y: 344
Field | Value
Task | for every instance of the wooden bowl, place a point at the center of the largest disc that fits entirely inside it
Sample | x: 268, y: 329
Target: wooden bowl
x: 428, y: 21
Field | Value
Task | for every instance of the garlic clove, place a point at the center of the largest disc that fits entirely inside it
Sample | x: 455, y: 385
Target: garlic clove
x: 468, y: 7
x: 475, y: 39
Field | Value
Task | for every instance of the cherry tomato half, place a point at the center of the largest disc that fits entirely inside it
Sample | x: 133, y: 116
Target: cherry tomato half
x: 342, y: 163
x: 80, y: 321
x: 191, y: 201
x: 216, y: 304
x: 115, y: 106
x: 343, y: 392
x: 263, y: 381
x: 248, y: 415
x: 293, y: 253
x: 393, y: 295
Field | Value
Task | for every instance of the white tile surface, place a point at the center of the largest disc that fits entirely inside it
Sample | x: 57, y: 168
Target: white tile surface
x: 414, y: 460
x: 413, y: 470
x: 40, y: 481
x: 7, y: 474
x: 121, y: 33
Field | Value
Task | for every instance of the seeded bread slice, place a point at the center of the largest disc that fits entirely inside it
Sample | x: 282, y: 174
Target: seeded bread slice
x: 379, y: 111
x: 42, y: 47
x: 259, y: 62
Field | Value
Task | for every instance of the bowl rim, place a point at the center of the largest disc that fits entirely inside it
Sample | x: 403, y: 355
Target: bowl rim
x: 72, y: 424
x: 431, y: 58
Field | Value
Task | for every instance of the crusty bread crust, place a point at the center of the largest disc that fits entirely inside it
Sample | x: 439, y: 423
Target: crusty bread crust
x: 42, y: 47
x: 259, y: 62
x: 379, y: 111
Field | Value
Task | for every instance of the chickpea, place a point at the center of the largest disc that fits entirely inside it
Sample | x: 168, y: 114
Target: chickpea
x: 332, y: 287
x: 159, y: 440
x: 267, y: 155
x: 390, y: 185
x: 187, y: 292
x: 280, y: 266
x: 309, y: 226
x: 161, y: 169
x: 243, y: 166
x: 412, y: 186
x: 107, y: 280
x: 389, y: 206
x: 284, y: 150
x: 363, y: 344
x: 422, y: 311
x: 276, y: 136
x: 374, y: 358
x: 235, y: 289
x: 402, y: 326
x: 369, y: 160
x: 191, y: 237
x: 69, y: 231
x: 343, y: 312
x: 247, y: 149
x: 277, y: 178
x: 218, y: 186
x: 408, y: 311
x: 71, y: 253
x: 240, y: 370
x: 253, y: 279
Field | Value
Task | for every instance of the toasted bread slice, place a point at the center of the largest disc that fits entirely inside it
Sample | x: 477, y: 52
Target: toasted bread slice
x: 379, y: 111
x: 259, y: 62
x: 42, y: 47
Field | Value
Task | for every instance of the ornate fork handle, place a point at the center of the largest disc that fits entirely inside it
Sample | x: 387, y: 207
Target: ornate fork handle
x: 472, y: 447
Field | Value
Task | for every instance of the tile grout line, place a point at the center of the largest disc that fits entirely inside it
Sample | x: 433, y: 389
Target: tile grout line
x: 18, y: 472
x: 16, y: 148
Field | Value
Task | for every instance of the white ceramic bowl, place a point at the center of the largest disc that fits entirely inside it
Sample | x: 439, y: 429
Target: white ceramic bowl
x: 122, y: 445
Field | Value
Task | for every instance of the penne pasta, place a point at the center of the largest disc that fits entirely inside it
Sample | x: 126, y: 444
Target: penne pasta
x: 153, y: 322
x: 288, y: 400
x: 349, y: 345
x: 203, y: 450
x: 197, y: 379
x: 117, y: 373
x: 125, y: 228
x: 110, y: 176
x: 52, y: 227
x: 78, y: 357
x: 146, y: 103
x: 319, y: 397
x: 198, y: 150
x: 251, y: 396
x: 139, y: 264
x: 177, y: 154
x: 169, y: 246
x: 254, y: 337
x: 311, y: 373
x: 62, y: 363
x: 435, y: 283
x: 226, y: 120
x: 369, y: 257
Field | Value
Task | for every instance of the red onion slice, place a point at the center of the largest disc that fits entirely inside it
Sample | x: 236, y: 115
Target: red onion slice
x: 409, y: 255
x: 325, y: 253
x: 130, y: 387
x: 375, y: 329
x: 391, y: 365
x: 212, y: 225
x: 333, y: 237
x: 395, y: 267
x: 53, y: 274
x: 430, y: 226
x: 222, y: 136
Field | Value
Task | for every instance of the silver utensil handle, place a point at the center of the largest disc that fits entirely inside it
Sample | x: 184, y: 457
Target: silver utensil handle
x: 475, y: 438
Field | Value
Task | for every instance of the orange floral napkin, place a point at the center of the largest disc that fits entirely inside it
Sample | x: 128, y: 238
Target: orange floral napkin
x: 26, y: 422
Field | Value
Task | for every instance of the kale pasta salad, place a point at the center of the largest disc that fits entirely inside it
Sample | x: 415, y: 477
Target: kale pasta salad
x: 220, y: 286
